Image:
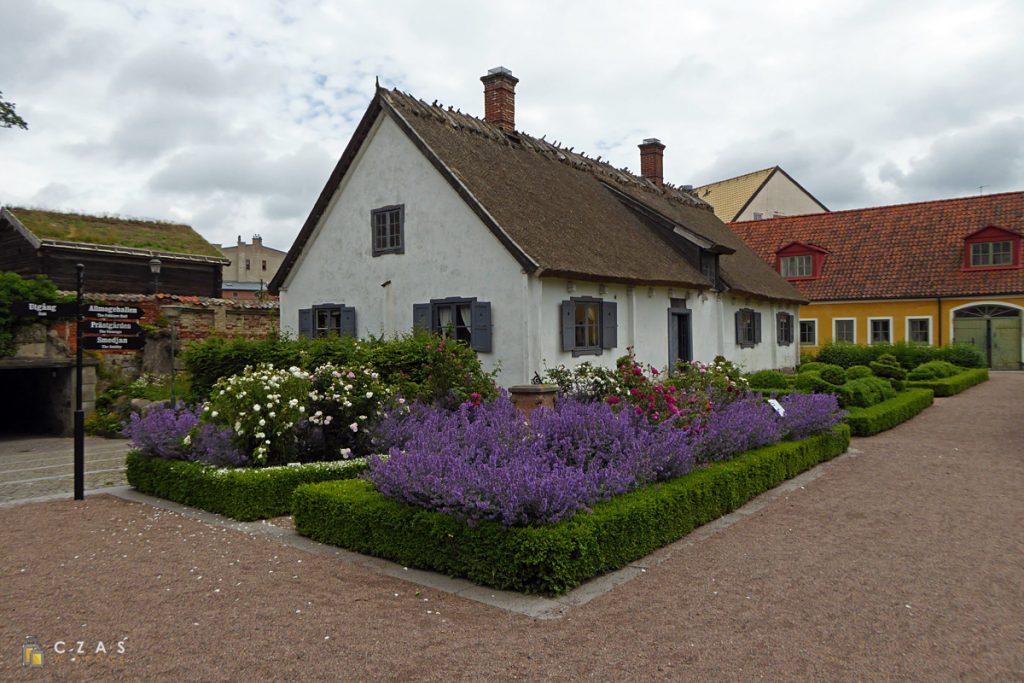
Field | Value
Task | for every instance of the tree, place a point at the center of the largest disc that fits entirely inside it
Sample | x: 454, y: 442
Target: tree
x: 8, y: 117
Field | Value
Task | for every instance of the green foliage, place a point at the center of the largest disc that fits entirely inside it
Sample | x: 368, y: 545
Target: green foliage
x: 811, y: 366
x: 103, y: 422
x: 244, y: 494
x: 418, y: 365
x: 936, y: 369
x: 845, y: 354
x: 14, y: 288
x: 866, y: 391
x: 858, y: 371
x: 833, y: 374
x: 811, y: 381
x: 586, y: 381
x: 768, y: 379
x: 8, y: 117
x: 949, y: 386
x: 889, y: 413
x: 887, y: 366
x: 962, y: 355
x: 556, y: 558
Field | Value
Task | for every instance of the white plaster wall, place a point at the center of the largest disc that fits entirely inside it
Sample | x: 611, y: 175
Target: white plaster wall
x: 780, y: 195
x: 448, y: 252
x: 643, y: 323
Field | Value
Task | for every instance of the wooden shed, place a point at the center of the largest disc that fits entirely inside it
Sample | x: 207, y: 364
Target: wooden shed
x: 116, y: 253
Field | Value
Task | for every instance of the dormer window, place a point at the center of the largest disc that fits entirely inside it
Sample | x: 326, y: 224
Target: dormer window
x: 992, y: 248
x: 800, y: 261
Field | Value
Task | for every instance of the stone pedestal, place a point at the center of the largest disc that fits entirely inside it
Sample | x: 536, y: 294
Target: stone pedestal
x: 529, y: 397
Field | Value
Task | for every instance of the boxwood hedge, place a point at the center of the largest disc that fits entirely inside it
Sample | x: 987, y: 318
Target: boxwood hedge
x: 244, y: 494
x: 949, y: 386
x: 888, y: 413
x: 556, y: 558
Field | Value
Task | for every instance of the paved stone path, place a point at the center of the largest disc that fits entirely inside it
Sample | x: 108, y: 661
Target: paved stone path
x: 34, y: 466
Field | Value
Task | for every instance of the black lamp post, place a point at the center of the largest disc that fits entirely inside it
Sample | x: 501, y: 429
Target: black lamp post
x: 154, y: 267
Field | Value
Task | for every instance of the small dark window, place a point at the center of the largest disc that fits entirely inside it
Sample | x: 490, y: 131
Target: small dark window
x: 325, y: 320
x: 264, y: 264
x: 748, y: 327
x: 247, y: 264
x: 589, y: 325
x: 466, y: 320
x: 784, y: 333
x: 881, y: 331
x: 808, y: 332
x: 388, y: 225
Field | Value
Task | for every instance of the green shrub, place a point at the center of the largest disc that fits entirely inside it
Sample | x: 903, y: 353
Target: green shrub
x: 15, y: 288
x: 961, y: 355
x: 551, y: 559
x: 812, y: 366
x: 936, y: 369
x: 866, y: 391
x: 858, y: 371
x: 887, y: 366
x: 898, y: 385
x: 888, y: 413
x: 833, y: 374
x: 768, y: 379
x: 948, y: 386
x: 811, y: 381
x: 909, y: 355
x: 845, y: 354
x: 244, y: 494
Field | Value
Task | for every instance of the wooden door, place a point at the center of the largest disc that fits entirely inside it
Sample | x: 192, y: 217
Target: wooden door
x: 973, y: 331
x: 1005, y: 343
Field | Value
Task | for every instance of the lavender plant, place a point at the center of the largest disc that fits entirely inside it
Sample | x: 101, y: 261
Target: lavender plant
x: 161, y: 431
x: 809, y: 414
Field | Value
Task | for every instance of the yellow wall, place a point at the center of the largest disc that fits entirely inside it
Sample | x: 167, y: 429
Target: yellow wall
x: 898, y: 310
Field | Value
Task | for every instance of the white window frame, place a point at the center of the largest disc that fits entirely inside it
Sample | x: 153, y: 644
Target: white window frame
x: 871, y: 341
x: 990, y: 254
x: 835, y: 337
x: 798, y: 259
x: 931, y: 328
x: 806, y: 320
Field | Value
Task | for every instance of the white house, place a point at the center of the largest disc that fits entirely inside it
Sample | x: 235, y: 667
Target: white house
x: 533, y: 254
x: 768, y: 193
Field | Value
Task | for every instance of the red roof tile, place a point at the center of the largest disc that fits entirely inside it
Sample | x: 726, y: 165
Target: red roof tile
x: 901, y: 251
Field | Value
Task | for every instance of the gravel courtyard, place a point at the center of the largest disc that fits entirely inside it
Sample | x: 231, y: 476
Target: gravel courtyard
x: 904, y: 560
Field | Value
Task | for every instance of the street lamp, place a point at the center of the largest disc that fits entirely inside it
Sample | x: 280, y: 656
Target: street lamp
x: 154, y: 267
x: 172, y: 314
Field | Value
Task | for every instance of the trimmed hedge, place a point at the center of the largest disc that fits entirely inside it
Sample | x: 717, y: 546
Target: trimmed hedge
x: 955, y: 384
x: 889, y: 413
x: 551, y: 559
x: 244, y: 494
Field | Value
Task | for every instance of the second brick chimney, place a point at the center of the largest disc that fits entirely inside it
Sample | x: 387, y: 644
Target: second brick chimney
x: 500, y: 98
x: 652, y: 155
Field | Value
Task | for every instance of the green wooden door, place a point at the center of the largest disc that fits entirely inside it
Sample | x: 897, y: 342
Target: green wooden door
x: 1005, y: 343
x: 973, y: 331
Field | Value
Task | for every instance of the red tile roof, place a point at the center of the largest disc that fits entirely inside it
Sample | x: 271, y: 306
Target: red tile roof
x: 901, y: 251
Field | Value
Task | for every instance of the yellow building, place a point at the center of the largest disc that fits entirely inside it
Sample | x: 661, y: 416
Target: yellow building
x: 937, y: 272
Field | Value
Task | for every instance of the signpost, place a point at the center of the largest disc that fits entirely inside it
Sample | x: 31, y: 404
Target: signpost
x: 79, y: 414
x: 44, y: 310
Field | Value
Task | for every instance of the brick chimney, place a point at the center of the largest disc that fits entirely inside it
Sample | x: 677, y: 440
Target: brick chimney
x: 652, y: 154
x: 500, y: 98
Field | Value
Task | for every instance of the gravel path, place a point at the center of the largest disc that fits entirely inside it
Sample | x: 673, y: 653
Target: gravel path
x: 905, y: 561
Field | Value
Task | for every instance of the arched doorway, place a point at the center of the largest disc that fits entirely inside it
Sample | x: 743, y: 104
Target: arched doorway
x: 993, y: 329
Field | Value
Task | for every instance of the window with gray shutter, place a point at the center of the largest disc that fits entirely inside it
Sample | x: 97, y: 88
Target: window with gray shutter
x: 328, y: 319
x: 460, y: 318
x: 588, y: 325
x: 748, y: 327
x: 306, y: 322
x: 784, y: 328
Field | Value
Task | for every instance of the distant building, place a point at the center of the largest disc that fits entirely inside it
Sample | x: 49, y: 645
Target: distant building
x: 251, y: 268
x: 768, y: 193
x: 116, y: 253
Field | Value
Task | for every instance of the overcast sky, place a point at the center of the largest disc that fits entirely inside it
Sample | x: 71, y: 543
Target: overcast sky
x: 229, y: 115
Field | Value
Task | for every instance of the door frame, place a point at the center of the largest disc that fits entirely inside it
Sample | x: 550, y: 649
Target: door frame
x: 673, y: 313
x: 1005, y: 304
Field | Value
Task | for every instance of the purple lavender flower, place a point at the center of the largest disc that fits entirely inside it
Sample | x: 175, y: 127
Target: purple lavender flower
x: 808, y: 414
x: 161, y: 431
x: 214, y: 445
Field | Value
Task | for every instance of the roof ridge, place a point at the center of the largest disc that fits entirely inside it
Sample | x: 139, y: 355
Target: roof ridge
x: 102, y: 217
x: 457, y: 119
x: 740, y: 177
x: 883, y: 207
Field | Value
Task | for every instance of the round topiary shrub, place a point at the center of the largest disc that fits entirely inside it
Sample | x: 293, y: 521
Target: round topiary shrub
x: 887, y: 366
x: 811, y: 381
x: 768, y: 379
x: 833, y: 374
x: 858, y: 371
x: 812, y: 366
x: 936, y: 369
x: 866, y: 391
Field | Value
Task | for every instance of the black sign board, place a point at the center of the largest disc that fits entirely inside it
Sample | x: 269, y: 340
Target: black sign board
x: 112, y: 342
x: 112, y: 327
x: 44, y: 310
x: 109, y: 312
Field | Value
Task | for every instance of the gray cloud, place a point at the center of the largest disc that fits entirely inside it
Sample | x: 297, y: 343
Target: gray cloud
x: 990, y: 156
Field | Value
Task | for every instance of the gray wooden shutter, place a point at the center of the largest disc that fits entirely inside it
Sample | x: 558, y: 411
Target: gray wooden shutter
x: 738, y: 317
x: 421, y: 316
x: 568, y: 325
x: 306, y: 322
x: 757, y: 328
x: 348, y: 321
x: 609, y: 325
x: 481, y: 316
x: 673, y: 341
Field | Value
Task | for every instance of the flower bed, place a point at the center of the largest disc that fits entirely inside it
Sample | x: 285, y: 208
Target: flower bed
x: 244, y: 494
x: 887, y: 414
x: 557, y: 557
x: 949, y: 386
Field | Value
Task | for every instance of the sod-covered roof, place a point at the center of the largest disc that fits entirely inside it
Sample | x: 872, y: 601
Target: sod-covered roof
x: 156, y: 236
